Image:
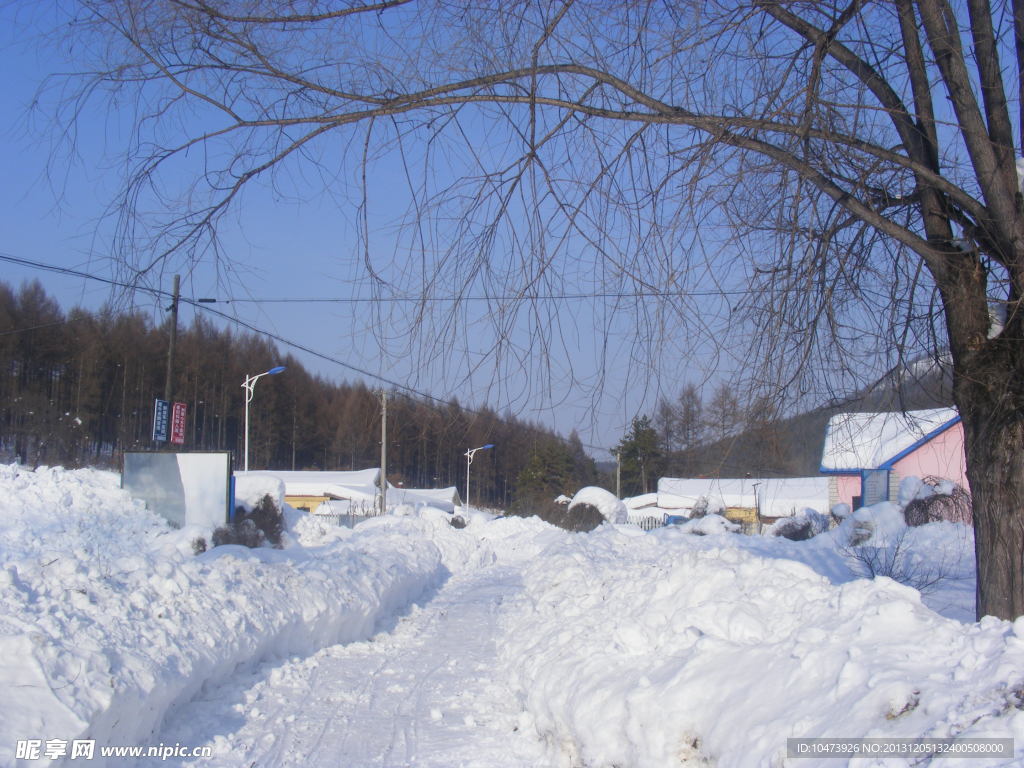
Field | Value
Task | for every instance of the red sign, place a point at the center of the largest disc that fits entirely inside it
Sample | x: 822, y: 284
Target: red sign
x: 178, y: 423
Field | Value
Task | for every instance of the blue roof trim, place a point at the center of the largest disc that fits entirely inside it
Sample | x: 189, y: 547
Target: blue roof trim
x: 888, y: 463
x: 824, y: 471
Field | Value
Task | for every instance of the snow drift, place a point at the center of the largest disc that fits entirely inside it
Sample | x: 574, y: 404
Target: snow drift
x: 110, y: 621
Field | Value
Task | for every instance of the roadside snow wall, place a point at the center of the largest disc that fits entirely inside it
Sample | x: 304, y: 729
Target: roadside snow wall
x: 108, y: 620
x: 649, y: 651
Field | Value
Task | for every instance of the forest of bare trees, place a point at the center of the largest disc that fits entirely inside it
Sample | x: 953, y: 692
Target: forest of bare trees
x: 78, y: 389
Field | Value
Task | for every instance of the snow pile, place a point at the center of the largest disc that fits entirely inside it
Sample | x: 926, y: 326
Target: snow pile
x: 649, y: 651
x: 708, y: 525
x: 109, y: 621
x: 608, y: 504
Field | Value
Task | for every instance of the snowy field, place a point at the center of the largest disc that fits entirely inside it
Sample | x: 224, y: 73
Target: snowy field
x: 406, y: 642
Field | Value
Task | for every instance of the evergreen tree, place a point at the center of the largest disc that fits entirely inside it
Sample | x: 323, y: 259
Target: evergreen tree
x: 641, y: 456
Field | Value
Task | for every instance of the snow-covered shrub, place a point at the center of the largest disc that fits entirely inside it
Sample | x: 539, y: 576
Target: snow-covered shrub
x: 582, y: 518
x: 936, y: 499
x: 877, y: 541
x: 605, y: 503
x: 252, y: 528
x: 804, y: 525
x: 840, y: 511
x: 577, y: 520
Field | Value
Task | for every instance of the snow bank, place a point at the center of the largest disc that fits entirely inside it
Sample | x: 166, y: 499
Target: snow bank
x: 709, y: 525
x: 605, y: 502
x: 650, y: 651
x: 109, y: 621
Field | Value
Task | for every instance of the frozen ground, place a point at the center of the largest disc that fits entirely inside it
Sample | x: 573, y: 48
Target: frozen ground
x: 406, y: 642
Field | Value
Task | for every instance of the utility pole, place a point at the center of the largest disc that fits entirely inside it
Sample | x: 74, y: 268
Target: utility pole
x: 174, y: 338
x: 618, y: 474
x: 383, y: 451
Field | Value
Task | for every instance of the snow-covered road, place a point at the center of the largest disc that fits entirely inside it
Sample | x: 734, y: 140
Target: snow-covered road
x: 420, y: 693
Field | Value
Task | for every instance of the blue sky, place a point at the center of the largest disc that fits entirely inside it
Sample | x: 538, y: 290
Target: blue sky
x: 299, y: 240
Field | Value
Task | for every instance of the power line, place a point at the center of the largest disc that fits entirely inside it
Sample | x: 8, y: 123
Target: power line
x: 32, y: 328
x: 455, y: 299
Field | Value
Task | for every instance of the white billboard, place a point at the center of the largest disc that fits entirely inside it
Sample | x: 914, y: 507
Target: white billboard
x: 183, y: 488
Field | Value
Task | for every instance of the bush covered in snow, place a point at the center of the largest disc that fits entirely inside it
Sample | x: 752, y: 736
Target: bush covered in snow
x: 578, y: 520
x: 804, y: 525
x: 877, y: 541
x: 934, y: 499
x: 606, y: 504
x: 262, y: 524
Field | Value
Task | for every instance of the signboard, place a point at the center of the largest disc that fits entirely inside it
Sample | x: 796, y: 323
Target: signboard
x: 184, y: 488
x: 874, y: 486
x: 178, y: 423
x: 161, y: 420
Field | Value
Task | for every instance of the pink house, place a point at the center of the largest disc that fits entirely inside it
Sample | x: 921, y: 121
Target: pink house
x: 867, y: 454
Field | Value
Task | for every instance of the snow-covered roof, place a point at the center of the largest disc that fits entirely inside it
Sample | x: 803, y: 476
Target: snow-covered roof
x: 685, y: 493
x: 774, y: 497
x: 787, y: 496
x: 642, y: 501
x: 856, y: 441
x: 355, y: 485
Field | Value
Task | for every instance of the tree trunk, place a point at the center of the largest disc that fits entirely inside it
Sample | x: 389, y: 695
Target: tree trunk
x: 989, y: 392
x: 995, y: 469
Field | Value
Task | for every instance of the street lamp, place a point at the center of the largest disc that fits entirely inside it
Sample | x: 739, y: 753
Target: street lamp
x: 248, y: 385
x: 469, y: 460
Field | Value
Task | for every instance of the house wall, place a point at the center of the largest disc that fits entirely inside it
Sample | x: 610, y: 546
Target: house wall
x: 306, y: 502
x: 942, y: 457
x: 845, y: 488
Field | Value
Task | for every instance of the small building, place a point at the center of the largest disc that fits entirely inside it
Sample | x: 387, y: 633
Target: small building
x: 747, y: 501
x: 866, y: 455
x: 308, y: 490
x: 356, y: 491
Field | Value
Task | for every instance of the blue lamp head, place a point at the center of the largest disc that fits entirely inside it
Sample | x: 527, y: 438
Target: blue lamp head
x: 276, y: 369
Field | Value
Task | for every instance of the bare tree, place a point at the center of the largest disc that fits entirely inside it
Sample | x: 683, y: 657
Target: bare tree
x: 666, y: 422
x: 723, y: 412
x: 850, y: 168
x: 691, y: 417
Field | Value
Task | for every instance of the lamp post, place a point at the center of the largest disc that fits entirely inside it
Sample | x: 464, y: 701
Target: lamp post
x: 248, y: 385
x: 469, y: 460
